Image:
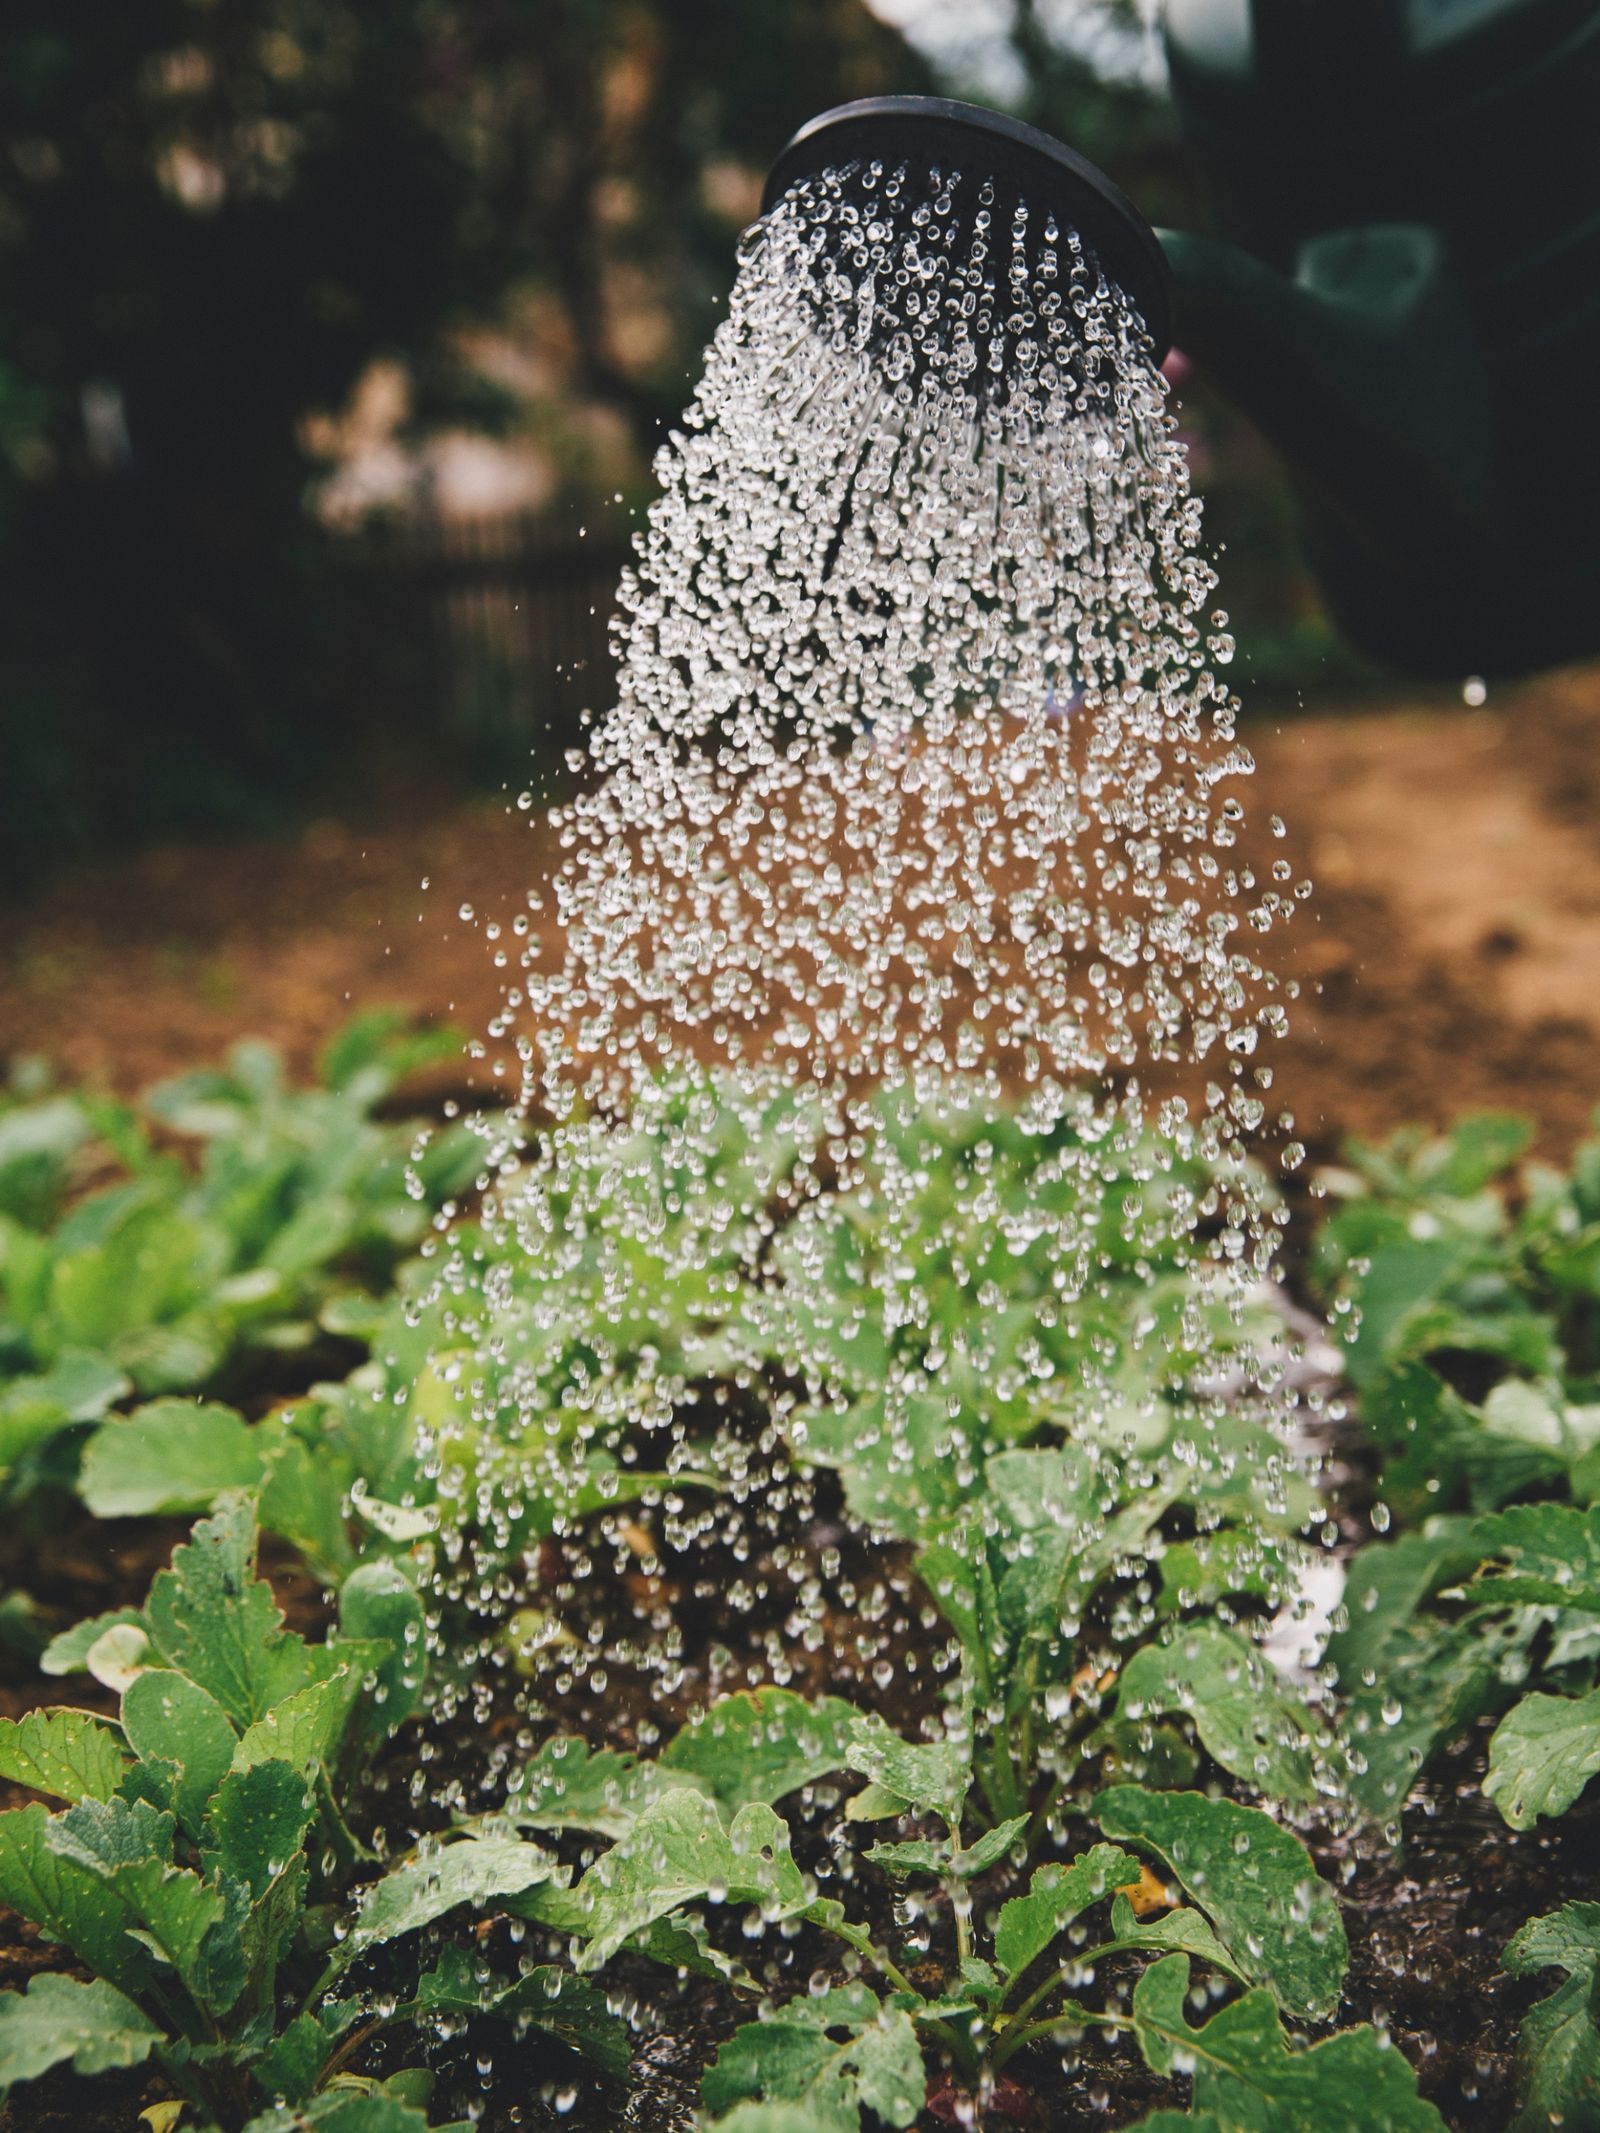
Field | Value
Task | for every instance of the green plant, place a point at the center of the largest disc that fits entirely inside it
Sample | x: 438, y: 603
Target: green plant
x: 1559, y: 2048
x: 169, y: 1281
x: 988, y: 1283
x: 1468, y: 1617
x: 203, y: 1867
x: 696, y: 1830
x: 516, y: 1370
x: 1030, y: 1416
x: 1474, y: 1301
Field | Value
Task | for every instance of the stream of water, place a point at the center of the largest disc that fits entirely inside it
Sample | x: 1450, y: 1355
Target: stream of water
x: 919, y: 802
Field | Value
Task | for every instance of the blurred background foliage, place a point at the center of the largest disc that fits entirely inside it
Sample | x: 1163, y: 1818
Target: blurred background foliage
x: 275, y: 271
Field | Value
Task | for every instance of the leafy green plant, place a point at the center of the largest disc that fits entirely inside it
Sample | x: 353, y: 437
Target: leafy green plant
x: 44, y: 1133
x: 697, y: 1830
x: 1559, y: 2048
x: 1468, y: 1617
x: 1474, y: 1295
x: 203, y: 1864
x: 510, y: 1371
x: 987, y: 1285
x: 1037, y: 1429
x: 166, y: 1280
x: 1086, y: 1631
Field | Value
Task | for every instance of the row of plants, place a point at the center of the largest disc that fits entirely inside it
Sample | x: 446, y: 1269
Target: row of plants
x: 1090, y: 1833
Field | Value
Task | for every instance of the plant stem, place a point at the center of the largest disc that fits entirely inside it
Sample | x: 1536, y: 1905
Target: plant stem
x: 1045, y: 1809
x: 958, y: 1900
x: 1002, y: 1784
x: 1017, y: 2026
x: 861, y: 1940
x: 1070, y: 2016
x: 348, y: 2046
x: 962, y: 2050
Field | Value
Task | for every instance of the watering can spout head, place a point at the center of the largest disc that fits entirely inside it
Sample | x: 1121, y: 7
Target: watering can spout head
x: 1015, y: 162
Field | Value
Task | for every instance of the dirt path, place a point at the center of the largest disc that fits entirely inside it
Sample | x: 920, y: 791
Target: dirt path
x: 1450, y: 956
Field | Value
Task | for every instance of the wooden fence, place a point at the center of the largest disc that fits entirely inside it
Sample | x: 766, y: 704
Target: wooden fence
x: 500, y: 625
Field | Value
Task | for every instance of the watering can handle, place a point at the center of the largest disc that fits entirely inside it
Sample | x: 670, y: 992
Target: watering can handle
x: 1362, y: 369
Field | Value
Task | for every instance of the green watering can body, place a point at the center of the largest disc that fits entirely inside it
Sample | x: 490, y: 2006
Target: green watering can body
x: 1406, y: 299
x: 1404, y: 293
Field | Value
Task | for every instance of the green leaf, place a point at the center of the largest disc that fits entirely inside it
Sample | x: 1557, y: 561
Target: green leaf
x: 1250, y: 2078
x: 681, y: 1942
x: 1385, y: 1587
x: 1551, y: 1552
x: 898, y: 1468
x: 106, y: 1835
x: 1434, y: 1680
x: 1158, y: 1757
x: 1558, y: 2049
x: 681, y: 1851
x: 305, y: 1729
x: 1244, y: 1716
x: 933, y: 1777
x: 1183, y: 1930
x: 194, y: 1925
x: 57, y: 2018
x: 168, y: 1717
x: 37, y: 1139
x: 168, y: 1457
x: 375, y: 1051
x: 547, y: 1999
x: 875, y: 1803
x: 155, y: 1780
x: 1542, y: 1755
x: 67, y: 1901
x: 921, y: 1855
x: 956, y: 1571
x: 1056, y: 1896
x: 378, y: 1603
x: 69, y: 1754
x: 1179, y: 2122
x: 833, y: 2054
x: 213, y: 1619
x: 258, y: 1821
x: 272, y: 1920
x: 289, y: 2066
x: 79, y: 1386
x: 1055, y: 1506
x: 69, y: 1652
x: 1255, y: 1881
x: 766, y: 2118
x: 568, y: 1785
x: 761, y: 1744
x: 344, y: 2111
x: 474, y: 1870
x: 303, y: 1493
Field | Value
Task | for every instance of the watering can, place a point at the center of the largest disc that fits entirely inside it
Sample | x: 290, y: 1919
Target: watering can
x: 1405, y: 297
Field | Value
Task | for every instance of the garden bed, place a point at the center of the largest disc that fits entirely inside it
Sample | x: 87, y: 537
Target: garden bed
x: 254, y: 1247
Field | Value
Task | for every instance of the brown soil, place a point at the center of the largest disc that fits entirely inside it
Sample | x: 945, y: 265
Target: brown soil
x: 1449, y: 957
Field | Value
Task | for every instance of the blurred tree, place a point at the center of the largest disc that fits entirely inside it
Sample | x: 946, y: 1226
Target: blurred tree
x: 214, y: 215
